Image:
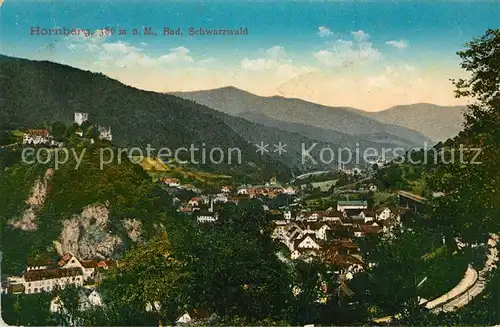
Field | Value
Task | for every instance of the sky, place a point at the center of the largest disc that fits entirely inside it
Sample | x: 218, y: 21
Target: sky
x: 369, y: 55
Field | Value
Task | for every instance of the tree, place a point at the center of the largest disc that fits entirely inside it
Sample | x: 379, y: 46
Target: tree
x: 234, y: 272
x: 472, y: 208
x: 58, y: 131
x: 147, y: 275
x: 391, y: 285
x: 85, y: 126
x: 69, y: 304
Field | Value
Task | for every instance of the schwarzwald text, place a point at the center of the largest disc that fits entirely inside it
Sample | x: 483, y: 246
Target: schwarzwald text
x: 200, y: 31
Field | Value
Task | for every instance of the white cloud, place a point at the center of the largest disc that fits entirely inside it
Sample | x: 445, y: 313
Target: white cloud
x: 123, y: 54
x: 86, y: 42
x: 401, y: 44
x: 177, y: 55
x: 360, y: 36
x: 349, y: 52
x: 276, y: 52
x: 324, y: 31
x: 120, y: 47
x: 273, y: 58
x: 275, y: 67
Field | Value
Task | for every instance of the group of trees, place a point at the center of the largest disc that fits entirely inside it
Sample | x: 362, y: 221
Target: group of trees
x: 469, y: 211
x: 230, y: 270
x: 391, y: 178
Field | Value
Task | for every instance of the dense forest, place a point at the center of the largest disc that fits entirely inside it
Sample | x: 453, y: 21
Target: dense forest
x: 40, y: 93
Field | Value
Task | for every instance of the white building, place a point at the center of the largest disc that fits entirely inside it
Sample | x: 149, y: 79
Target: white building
x: 207, y: 218
x: 243, y: 191
x: 384, y: 214
x: 308, y: 243
x: 287, y: 214
x: 81, y: 117
x: 37, y: 137
x: 172, y: 182
x: 221, y: 198
x: 191, y: 316
x: 38, y: 281
x: 321, y: 232
x: 349, y: 205
x: 105, y: 133
x: 149, y: 307
x: 38, y: 278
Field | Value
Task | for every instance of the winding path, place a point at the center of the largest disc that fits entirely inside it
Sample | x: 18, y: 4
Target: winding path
x: 471, y: 285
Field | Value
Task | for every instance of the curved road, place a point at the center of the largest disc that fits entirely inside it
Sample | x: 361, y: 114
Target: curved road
x: 471, y: 285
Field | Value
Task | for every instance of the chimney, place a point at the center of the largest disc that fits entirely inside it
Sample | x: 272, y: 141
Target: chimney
x: 211, y: 209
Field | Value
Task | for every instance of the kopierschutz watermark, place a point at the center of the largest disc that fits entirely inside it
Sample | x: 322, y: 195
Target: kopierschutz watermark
x: 349, y: 156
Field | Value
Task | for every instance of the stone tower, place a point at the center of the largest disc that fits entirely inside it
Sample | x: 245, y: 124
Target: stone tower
x: 80, y: 117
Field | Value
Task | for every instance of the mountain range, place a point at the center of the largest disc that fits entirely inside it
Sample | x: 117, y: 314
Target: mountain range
x: 409, y: 125
x: 37, y: 93
x: 439, y: 123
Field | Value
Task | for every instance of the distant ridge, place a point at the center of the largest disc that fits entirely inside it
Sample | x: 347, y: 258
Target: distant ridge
x: 415, y: 123
x: 439, y: 123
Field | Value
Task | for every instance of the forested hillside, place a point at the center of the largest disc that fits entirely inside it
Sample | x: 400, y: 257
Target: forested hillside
x: 36, y: 94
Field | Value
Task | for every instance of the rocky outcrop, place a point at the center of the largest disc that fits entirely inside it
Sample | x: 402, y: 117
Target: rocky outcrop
x: 35, y: 203
x: 133, y: 227
x: 88, y: 237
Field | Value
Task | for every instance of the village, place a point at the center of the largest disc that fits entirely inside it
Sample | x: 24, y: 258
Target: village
x: 307, y: 231
x: 305, y: 234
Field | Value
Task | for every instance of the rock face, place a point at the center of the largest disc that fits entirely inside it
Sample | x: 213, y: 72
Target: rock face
x: 87, y: 236
x: 133, y: 228
x: 35, y: 202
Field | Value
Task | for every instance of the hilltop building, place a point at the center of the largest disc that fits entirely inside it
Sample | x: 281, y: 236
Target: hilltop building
x: 80, y: 117
x: 37, y: 137
x: 105, y: 133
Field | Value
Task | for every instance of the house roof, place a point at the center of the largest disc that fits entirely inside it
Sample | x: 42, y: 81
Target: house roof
x: 38, y: 132
x: 65, y: 259
x: 353, y: 212
x: 369, y: 229
x: 347, y: 244
x: 352, y: 203
x: 170, y: 180
x: 34, y: 275
x: 89, y: 263
x: 333, y: 213
x: 41, y: 261
x: 197, y: 314
x: 311, y: 236
x: 369, y: 213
